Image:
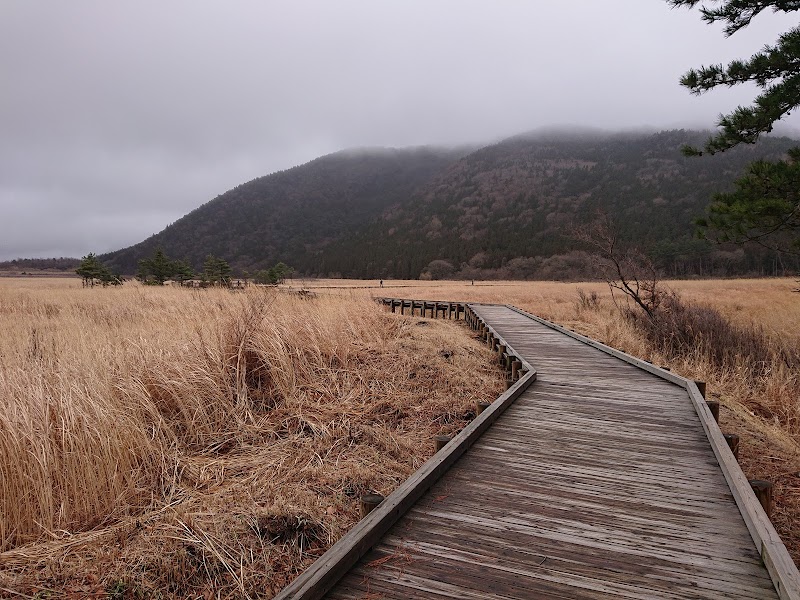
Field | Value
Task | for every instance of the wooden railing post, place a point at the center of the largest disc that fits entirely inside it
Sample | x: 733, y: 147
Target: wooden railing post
x: 440, y: 441
x: 713, y: 406
x: 763, y: 491
x: 481, y: 406
x: 733, y: 443
x: 369, y: 503
x: 701, y: 385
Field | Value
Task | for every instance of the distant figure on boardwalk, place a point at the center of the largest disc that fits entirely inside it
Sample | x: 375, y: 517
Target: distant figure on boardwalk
x: 381, y: 282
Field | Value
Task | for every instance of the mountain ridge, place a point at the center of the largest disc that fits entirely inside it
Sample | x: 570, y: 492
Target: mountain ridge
x: 390, y: 212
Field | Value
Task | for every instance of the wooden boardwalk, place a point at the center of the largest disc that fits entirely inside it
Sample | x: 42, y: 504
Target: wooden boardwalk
x: 599, y: 480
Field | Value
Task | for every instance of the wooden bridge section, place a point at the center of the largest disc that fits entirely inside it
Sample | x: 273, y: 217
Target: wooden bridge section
x: 595, y: 476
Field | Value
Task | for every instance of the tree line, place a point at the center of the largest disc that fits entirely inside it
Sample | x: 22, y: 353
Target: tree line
x: 158, y: 268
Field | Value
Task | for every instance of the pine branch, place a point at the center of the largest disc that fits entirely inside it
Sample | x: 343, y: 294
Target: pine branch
x: 763, y: 68
x: 737, y: 13
x: 776, y: 70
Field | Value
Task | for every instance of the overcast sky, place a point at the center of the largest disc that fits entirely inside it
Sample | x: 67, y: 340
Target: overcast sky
x: 117, y: 118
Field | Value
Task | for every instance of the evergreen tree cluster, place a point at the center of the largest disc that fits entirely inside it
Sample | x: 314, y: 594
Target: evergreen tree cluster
x: 93, y: 271
x: 216, y: 271
x: 158, y: 268
x: 273, y: 275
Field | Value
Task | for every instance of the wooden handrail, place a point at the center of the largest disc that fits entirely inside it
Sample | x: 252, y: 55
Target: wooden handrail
x: 435, y: 306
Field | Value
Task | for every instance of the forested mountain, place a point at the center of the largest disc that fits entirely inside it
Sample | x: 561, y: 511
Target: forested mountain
x: 504, y: 210
x: 293, y: 215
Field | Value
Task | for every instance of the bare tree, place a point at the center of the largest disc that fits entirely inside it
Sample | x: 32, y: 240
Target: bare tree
x: 626, y: 269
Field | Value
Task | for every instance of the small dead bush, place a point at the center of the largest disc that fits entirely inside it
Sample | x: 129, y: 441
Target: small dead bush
x: 301, y: 530
x: 588, y: 301
x: 701, y: 334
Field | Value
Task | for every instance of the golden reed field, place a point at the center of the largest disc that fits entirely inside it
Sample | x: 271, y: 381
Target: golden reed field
x: 174, y: 443
x: 171, y: 443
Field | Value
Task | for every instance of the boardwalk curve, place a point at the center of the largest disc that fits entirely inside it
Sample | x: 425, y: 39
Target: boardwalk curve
x: 603, y: 479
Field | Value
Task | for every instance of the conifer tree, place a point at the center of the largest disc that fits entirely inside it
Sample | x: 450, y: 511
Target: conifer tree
x: 216, y: 270
x: 156, y: 269
x: 775, y: 70
x: 92, y: 270
x: 183, y: 271
x: 765, y: 208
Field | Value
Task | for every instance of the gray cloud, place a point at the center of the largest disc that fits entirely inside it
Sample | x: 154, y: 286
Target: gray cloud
x: 118, y: 118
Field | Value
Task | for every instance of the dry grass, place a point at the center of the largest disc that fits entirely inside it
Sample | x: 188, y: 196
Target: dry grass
x: 758, y: 387
x: 174, y: 443
x: 209, y: 444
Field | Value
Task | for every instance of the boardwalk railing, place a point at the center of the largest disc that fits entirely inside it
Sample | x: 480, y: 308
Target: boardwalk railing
x: 318, y: 579
x: 424, y: 308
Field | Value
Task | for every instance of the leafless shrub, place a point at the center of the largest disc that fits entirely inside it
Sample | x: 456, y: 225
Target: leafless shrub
x: 588, y: 301
x: 685, y: 330
x: 698, y: 333
x: 626, y: 269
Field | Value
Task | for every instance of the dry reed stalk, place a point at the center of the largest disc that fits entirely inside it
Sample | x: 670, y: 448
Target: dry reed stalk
x: 233, y: 433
